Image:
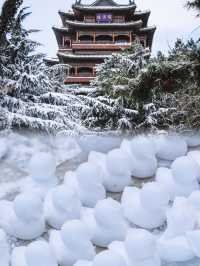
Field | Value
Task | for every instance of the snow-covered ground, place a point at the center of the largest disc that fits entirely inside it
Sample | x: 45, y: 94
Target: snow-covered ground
x: 16, y: 150
x: 137, y: 198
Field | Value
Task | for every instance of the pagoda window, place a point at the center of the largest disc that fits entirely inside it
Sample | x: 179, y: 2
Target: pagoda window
x: 143, y: 41
x: 72, y: 71
x: 66, y: 42
x: 89, y: 19
x: 104, y: 39
x: 85, y: 71
x: 118, y: 19
x: 122, y: 39
x: 86, y: 39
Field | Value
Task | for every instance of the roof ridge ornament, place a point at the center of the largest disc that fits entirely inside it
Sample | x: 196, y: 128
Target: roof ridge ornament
x: 109, y: 3
x: 78, y: 2
x: 131, y: 2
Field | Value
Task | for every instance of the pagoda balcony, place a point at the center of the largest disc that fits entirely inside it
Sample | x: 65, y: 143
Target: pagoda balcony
x: 78, y: 79
x: 99, y: 46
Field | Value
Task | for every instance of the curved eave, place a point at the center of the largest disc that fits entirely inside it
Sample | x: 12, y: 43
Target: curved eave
x: 51, y: 61
x: 104, y: 8
x: 142, y: 15
x: 65, y: 15
x: 74, y: 56
x: 136, y: 24
x: 150, y: 34
x: 60, y: 29
x: 58, y: 33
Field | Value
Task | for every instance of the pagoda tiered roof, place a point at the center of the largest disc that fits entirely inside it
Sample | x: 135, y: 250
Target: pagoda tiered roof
x: 92, y: 33
x: 82, y: 56
x: 102, y: 8
x: 82, y: 24
x: 66, y: 15
x: 142, y: 15
x: 150, y: 33
x: 137, y: 13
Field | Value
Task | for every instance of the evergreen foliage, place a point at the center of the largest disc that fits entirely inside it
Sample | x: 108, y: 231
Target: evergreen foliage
x: 195, y: 4
x: 157, y: 89
x: 132, y: 92
x: 9, y: 10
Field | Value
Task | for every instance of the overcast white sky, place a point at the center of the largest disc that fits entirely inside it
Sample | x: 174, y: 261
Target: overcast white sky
x: 170, y: 17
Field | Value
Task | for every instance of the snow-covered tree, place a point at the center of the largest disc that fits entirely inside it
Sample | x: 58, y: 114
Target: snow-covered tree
x: 158, y: 88
x: 24, y: 68
x: 8, y: 12
x: 120, y: 67
x: 195, y: 4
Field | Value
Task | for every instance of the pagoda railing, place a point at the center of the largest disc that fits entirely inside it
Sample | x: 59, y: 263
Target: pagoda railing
x: 100, y: 46
x: 104, y: 42
x: 88, y: 74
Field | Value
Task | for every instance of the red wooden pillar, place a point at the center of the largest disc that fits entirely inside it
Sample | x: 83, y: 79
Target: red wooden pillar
x: 77, y: 36
x: 130, y: 36
x: 113, y: 36
x: 145, y: 41
x: 76, y: 71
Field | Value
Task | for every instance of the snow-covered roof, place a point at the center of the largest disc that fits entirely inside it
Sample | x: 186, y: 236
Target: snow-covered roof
x: 151, y: 28
x: 56, y: 60
x: 64, y: 29
x: 137, y: 12
x: 68, y: 13
x: 107, y: 8
x: 104, y: 2
x: 87, y: 24
x: 66, y: 55
x: 144, y: 12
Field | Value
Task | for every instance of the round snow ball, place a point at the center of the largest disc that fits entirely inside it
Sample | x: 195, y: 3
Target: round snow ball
x: 39, y: 253
x: 181, y: 219
x: 194, y: 199
x: 42, y: 165
x: 165, y: 179
x: 195, y: 156
x: 96, y: 157
x: 117, y: 163
x: 193, y: 237
x: 3, y: 237
x: 66, y: 199
x: 142, y: 146
x: 28, y: 207
x: 192, y: 139
x: 140, y: 244
x: 74, y: 230
x: 88, y: 173
x: 3, y: 148
x: 185, y: 171
x: 108, y: 212
x: 170, y: 147
x: 83, y: 263
x: 109, y: 258
x: 153, y: 197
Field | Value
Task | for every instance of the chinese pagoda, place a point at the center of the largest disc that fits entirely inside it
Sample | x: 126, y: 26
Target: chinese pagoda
x: 90, y: 33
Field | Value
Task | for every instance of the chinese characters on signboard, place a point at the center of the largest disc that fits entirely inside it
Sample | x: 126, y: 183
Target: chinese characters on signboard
x: 104, y: 17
